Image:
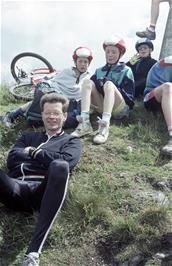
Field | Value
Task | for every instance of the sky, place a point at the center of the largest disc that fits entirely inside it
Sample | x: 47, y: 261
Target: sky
x: 54, y: 29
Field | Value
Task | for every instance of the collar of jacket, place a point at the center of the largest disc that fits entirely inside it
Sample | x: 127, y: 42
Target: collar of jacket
x: 55, y: 135
x: 117, y: 67
x: 75, y: 75
x: 146, y: 58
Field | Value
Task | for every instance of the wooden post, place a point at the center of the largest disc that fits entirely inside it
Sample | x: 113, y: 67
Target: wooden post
x: 166, y: 48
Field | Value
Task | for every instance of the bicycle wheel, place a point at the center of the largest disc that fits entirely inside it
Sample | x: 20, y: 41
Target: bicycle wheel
x: 23, y: 91
x: 23, y: 64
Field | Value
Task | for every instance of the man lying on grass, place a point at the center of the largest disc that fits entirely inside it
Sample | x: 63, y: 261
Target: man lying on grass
x: 51, y: 154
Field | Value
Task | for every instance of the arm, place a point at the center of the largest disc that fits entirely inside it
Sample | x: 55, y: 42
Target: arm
x: 127, y: 88
x: 70, y: 152
x: 17, y: 152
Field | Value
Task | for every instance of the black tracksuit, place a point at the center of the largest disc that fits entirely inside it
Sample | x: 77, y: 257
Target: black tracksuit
x: 140, y: 70
x: 52, y: 158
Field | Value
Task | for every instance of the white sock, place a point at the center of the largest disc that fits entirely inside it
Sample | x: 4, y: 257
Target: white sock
x: 34, y: 254
x: 151, y: 28
x: 106, y: 117
x: 85, y: 115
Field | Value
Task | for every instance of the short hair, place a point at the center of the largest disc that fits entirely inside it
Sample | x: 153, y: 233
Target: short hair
x: 54, y: 97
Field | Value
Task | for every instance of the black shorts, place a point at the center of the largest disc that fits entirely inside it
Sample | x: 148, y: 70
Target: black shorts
x: 150, y: 102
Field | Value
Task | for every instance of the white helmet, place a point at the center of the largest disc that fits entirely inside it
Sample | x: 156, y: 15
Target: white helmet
x: 82, y: 52
x: 115, y: 41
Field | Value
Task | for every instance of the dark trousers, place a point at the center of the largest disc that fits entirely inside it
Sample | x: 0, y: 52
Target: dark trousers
x: 47, y: 197
x: 74, y: 109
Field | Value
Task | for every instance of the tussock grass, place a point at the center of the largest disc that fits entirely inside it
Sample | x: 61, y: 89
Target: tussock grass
x: 104, y: 220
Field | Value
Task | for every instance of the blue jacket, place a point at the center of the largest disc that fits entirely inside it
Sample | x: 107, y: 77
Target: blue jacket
x: 160, y: 73
x: 62, y: 147
x: 121, y: 75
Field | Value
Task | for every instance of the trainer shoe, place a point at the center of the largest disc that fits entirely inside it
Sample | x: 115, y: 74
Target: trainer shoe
x: 32, y: 259
x: 6, y: 120
x: 84, y: 127
x: 167, y: 149
x: 103, y: 132
x: 151, y: 35
x: 124, y: 113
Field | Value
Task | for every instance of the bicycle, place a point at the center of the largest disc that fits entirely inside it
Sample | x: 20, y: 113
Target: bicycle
x: 28, y: 69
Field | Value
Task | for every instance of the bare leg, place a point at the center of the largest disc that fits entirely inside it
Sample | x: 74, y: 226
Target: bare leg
x: 163, y: 94
x: 90, y: 95
x: 25, y: 106
x: 155, y: 11
x: 113, y: 97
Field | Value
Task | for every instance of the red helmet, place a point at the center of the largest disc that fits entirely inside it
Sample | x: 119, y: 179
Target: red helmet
x: 82, y: 52
x: 115, y: 41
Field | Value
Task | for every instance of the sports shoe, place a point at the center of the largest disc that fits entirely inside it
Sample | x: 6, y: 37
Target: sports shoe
x: 32, y: 259
x: 151, y: 35
x: 103, y: 132
x: 6, y: 120
x: 84, y: 127
x: 167, y: 149
x: 124, y: 113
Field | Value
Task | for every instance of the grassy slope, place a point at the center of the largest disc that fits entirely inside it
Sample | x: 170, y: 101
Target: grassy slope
x: 104, y: 219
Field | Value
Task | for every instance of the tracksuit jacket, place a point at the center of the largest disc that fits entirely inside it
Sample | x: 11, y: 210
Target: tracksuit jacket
x: 140, y: 71
x: 63, y: 147
x: 122, y: 77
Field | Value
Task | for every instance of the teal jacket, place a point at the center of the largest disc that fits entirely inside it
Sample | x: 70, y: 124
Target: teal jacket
x: 122, y: 77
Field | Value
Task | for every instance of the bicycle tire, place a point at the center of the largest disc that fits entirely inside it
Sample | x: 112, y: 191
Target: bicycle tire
x: 25, y: 94
x: 28, y: 54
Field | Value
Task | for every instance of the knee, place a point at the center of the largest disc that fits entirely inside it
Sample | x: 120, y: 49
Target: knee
x: 87, y: 84
x: 59, y: 168
x: 108, y: 87
x: 167, y: 88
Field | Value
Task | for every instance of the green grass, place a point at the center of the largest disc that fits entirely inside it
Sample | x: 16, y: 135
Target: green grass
x: 104, y: 220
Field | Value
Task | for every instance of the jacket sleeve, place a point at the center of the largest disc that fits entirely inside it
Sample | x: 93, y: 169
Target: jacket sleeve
x: 127, y: 88
x: 140, y: 83
x: 70, y: 152
x: 17, y: 152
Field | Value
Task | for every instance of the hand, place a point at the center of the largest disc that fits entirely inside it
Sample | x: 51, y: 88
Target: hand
x: 29, y: 150
x: 134, y: 59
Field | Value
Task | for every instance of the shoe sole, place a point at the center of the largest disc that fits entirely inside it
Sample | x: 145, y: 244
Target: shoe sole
x: 143, y: 36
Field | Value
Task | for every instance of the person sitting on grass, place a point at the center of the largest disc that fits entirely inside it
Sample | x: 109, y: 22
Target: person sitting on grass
x: 67, y: 82
x: 158, y: 95
x: 110, y: 89
x: 51, y: 154
x: 141, y: 64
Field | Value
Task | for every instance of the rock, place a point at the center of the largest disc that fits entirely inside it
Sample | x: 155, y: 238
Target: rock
x: 163, y: 184
x: 160, y: 255
x: 135, y: 261
x: 158, y: 197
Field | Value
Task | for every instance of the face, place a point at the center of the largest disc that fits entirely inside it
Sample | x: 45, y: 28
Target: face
x: 144, y: 50
x: 82, y: 64
x: 112, y: 54
x: 53, y: 117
